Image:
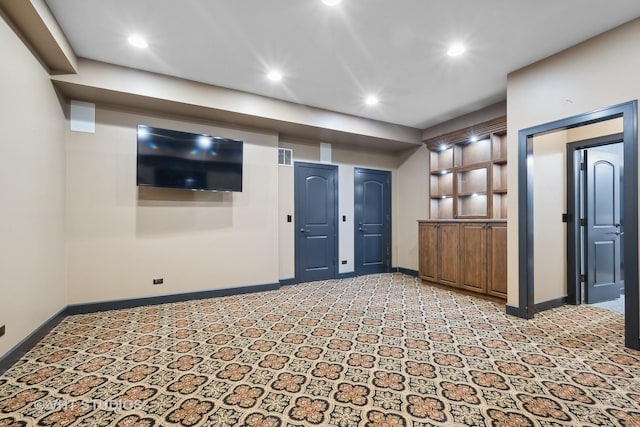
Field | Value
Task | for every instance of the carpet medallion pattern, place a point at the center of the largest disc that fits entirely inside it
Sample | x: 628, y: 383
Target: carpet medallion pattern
x: 378, y: 350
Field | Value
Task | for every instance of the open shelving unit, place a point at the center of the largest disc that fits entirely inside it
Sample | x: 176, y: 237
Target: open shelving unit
x: 463, y: 244
x: 468, y: 172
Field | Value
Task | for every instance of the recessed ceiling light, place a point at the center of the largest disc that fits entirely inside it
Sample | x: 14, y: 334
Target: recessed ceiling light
x: 456, y: 49
x: 137, y: 41
x: 473, y: 138
x: 204, y: 142
x: 331, y: 2
x: 371, y: 100
x: 274, y: 75
x: 143, y: 131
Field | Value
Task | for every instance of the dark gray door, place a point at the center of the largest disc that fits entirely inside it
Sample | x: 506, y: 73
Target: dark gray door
x: 316, y: 213
x: 372, y: 221
x: 603, y: 226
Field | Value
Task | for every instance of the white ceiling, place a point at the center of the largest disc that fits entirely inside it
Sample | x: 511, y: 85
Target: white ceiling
x: 332, y: 57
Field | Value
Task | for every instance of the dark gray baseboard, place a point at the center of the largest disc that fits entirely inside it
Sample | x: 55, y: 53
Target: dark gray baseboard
x: 164, y: 299
x: 541, y: 306
x: 516, y: 311
x: 548, y: 305
x: 349, y: 274
x: 294, y: 281
x: 407, y: 271
x: 27, y: 344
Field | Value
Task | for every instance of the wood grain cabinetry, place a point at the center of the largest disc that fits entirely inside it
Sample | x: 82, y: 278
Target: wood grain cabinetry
x: 448, y: 247
x: 497, y: 259
x: 464, y: 243
x: 428, y: 236
x: 465, y: 254
x: 468, y: 172
x: 473, y: 256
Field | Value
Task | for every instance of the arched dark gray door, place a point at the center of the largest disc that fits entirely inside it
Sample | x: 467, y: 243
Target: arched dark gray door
x: 372, y: 221
x: 604, y: 228
x: 316, y: 213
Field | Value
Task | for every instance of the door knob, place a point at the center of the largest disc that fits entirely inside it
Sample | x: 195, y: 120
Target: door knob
x: 302, y: 230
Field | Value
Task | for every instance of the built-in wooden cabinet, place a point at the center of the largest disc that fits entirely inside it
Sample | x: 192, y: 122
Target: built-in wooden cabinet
x: 428, y: 244
x: 473, y: 256
x: 466, y: 254
x: 464, y: 243
x: 448, y: 247
x: 497, y: 259
x: 468, y: 172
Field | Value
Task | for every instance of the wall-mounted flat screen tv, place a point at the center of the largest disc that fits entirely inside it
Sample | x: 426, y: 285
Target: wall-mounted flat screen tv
x: 174, y: 159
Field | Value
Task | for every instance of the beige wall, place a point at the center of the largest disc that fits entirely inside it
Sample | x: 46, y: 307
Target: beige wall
x: 595, y: 130
x: 413, y: 204
x: 286, y: 233
x: 549, y: 245
x: 120, y: 237
x: 590, y: 76
x: 347, y: 159
x: 32, y: 252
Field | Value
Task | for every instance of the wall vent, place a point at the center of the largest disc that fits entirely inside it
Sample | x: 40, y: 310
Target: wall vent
x: 285, y: 156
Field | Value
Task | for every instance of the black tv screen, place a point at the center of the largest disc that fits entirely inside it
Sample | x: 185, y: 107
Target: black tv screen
x: 174, y: 159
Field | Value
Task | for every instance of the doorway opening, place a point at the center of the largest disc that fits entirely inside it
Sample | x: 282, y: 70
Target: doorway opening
x: 526, y: 236
x: 595, y: 235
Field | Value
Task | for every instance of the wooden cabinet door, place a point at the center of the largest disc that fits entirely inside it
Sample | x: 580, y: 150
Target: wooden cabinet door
x: 497, y: 259
x: 473, y: 257
x: 448, y: 253
x: 428, y: 235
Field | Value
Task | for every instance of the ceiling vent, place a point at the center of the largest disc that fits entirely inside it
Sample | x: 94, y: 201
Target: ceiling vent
x: 285, y: 156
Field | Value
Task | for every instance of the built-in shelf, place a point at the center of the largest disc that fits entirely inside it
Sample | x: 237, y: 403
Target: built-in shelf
x: 440, y: 171
x: 474, y: 194
x: 468, y: 172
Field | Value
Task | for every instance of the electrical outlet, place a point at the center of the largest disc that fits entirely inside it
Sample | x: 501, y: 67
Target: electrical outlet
x: 344, y: 261
x: 158, y: 281
x: 2, y: 330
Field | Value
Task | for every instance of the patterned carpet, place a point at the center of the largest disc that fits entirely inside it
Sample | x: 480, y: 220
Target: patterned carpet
x: 379, y: 350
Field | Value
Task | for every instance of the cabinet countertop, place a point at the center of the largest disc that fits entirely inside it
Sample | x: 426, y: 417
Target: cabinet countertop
x: 493, y: 220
